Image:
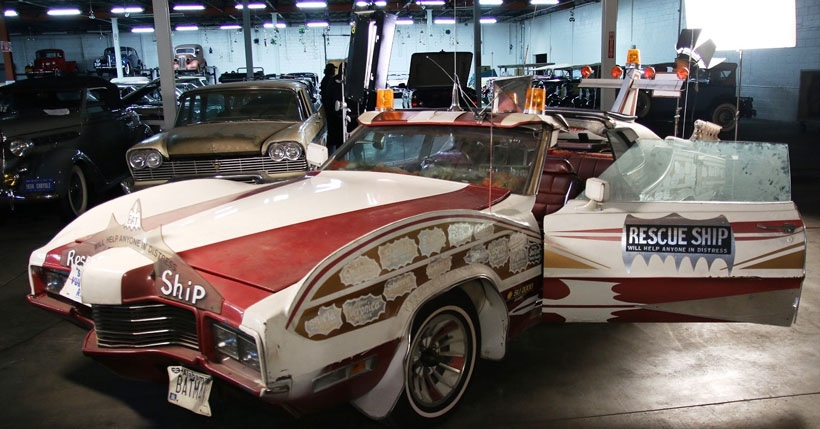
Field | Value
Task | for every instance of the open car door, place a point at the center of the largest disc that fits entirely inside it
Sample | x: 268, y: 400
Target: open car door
x: 690, y: 232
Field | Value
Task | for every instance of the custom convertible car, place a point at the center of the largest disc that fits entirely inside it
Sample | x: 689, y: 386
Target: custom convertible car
x: 64, y: 140
x: 248, y: 131
x: 419, y: 247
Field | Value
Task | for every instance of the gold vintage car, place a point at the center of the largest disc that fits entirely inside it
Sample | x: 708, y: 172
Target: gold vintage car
x: 247, y: 131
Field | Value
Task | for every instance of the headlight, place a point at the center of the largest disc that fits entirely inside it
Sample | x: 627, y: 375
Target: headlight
x: 153, y: 159
x: 20, y: 147
x: 54, y: 280
x: 293, y: 151
x: 137, y: 160
x: 235, y: 345
x: 276, y: 152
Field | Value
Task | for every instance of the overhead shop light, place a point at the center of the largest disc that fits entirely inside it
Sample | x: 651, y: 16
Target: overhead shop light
x: 431, y: 2
x: 186, y: 28
x: 543, y: 2
x: 184, y: 7
x: 314, y: 24
x: 68, y: 11
x: 230, y: 27
x: 278, y: 25
x: 251, y: 6
x: 378, y: 3
x: 490, y: 2
x: 450, y: 21
x: 127, y: 9
x: 404, y: 21
x: 142, y: 30
x: 487, y: 20
x: 10, y: 12
x: 311, y: 4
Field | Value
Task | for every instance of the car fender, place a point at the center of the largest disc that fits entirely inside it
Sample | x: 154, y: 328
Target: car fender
x: 56, y: 164
x: 479, y: 283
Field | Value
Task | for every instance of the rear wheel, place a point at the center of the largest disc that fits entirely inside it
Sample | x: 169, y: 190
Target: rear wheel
x: 126, y: 70
x: 442, y: 357
x: 74, y: 201
x: 724, y: 115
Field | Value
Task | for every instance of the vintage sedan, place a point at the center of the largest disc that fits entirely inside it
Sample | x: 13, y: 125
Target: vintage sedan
x: 421, y: 246
x: 190, y: 58
x: 64, y: 140
x: 254, y: 131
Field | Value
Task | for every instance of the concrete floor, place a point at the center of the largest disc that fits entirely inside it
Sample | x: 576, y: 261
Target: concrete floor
x: 593, y: 375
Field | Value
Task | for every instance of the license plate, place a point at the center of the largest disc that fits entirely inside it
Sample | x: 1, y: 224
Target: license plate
x: 189, y: 389
x: 38, y: 185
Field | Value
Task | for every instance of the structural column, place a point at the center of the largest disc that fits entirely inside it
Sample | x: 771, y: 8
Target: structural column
x: 246, y: 31
x: 609, y: 21
x: 4, y: 37
x: 115, y: 33
x: 162, y: 31
x: 477, y: 50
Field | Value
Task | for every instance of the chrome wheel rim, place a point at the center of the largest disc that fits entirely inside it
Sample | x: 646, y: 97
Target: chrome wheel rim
x: 438, y: 359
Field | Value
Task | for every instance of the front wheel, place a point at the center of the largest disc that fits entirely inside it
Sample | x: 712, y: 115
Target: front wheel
x: 74, y: 201
x: 126, y: 70
x: 442, y: 358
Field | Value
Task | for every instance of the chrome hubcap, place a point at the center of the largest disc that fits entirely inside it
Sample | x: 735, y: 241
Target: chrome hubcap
x: 437, y: 360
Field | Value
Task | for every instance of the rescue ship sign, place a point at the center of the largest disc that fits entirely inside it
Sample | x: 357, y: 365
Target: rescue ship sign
x: 679, y: 237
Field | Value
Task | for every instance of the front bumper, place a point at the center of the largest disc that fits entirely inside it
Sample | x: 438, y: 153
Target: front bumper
x: 131, y: 185
x: 10, y: 198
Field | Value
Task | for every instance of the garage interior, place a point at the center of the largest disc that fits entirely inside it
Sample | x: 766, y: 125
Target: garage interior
x: 575, y: 375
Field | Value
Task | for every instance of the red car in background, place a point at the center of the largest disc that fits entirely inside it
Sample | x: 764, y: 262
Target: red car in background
x: 51, y: 61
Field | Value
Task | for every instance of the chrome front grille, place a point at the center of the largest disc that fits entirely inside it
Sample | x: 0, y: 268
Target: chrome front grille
x: 176, y: 169
x: 144, y: 325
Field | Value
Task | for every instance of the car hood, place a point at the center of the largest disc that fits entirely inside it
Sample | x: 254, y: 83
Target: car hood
x: 269, y: 237
x: 222, y: 138
x: 42, y: 126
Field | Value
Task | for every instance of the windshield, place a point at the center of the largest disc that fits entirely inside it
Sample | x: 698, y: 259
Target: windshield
x: 685, y: 170
x: 238, y: 105
x: 110, y: 51
x: 40, y: 103
x: 189, y: 51
x: 48, y: 54
x: 459, y: 154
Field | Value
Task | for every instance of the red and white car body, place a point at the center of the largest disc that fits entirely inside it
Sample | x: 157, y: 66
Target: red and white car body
x: 333, y: 277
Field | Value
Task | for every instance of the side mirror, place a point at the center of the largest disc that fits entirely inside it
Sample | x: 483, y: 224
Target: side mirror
x: 316, y: 154
x: 597, y: 191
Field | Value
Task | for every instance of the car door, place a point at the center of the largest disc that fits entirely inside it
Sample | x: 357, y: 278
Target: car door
x: 691, y: 232
x: 107, y: 132
x: 314, y: 127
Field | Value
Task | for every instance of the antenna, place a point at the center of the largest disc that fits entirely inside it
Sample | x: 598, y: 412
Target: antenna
x: 456, y: 86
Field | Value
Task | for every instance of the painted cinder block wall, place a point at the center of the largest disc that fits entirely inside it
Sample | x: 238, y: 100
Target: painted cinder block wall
x: 771, y: 76
x: 278, y: 51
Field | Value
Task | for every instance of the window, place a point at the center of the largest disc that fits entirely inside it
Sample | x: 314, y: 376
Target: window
x: 239, y: 105
x: 684, y: 170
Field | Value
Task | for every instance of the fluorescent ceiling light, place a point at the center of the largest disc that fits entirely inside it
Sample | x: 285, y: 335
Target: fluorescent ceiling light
x: 127, y: 9
x: 187, y: 28
x: 251, y: 6
x: 487, y: 20
x: 10, y: 12
x: 278, y: 25
x: 64, y: 12
x: 317, y: 24
x: 230, y: 27
x: 543, y: 2
x: 751, y: 24
x: 450, y: 21
x: 142, y: 30
x: 404, y: 21
x: 379, y: 3
x: 490, y: 2
x: 362, y: 3
x: 189, y: 7
x: 430, y: 2
x: 311, y: 4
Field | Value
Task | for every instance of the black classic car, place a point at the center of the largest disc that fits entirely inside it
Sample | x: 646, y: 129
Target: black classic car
x: 430, y: 82
x: 131, y: 63
x: 64, y: 139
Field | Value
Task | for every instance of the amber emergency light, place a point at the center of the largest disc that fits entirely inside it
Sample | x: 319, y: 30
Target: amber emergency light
x: 586, y: 71
x: 536, y: 100
x: 384, y: 100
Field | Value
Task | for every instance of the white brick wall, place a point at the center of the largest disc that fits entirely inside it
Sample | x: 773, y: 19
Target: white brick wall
x: 771, y: 76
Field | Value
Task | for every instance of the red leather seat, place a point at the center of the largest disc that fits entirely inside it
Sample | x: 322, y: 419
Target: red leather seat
x: 588, y: 166
x: 559, y: 183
